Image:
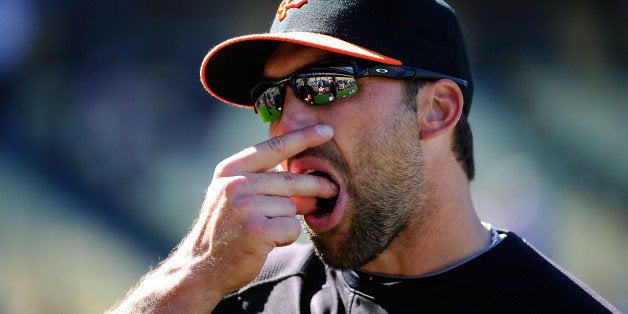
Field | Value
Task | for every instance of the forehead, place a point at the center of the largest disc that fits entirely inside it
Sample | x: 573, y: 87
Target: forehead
x: 288, y: 57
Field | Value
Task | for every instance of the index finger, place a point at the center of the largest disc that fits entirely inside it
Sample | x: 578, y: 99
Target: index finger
x: 268, y: 154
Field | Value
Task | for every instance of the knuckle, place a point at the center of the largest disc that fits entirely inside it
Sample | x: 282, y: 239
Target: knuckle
x: 277, y: 144
x: 223, y: 168
x: 241, y: 202
x: 220, y: 170
x: 290, y: 180
x: 253, y: 229
x: 234, y: 185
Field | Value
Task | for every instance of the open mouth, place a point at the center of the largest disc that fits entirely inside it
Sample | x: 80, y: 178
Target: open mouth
x: 325, y: 206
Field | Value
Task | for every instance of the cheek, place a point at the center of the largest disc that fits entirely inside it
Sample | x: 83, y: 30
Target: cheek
x: 359, y: 121
x: 363, y: 139
x: 273, y: 130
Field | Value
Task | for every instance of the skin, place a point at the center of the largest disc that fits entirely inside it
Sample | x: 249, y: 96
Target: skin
x: 368, y: 137
x: 382, y: 141
x: 376, y: 157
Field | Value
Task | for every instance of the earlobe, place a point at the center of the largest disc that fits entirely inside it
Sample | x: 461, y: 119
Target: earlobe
x: 443, y: 104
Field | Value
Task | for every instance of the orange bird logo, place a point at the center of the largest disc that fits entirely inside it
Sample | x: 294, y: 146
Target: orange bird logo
x: 286, y: 5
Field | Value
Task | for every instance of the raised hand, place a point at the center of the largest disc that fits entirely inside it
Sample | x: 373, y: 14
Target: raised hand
x: 246, y: 213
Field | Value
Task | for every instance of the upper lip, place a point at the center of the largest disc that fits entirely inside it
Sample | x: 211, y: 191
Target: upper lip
x: 305, y: 164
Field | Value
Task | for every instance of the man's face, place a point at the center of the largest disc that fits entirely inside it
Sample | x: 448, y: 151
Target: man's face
x: 375, y: 158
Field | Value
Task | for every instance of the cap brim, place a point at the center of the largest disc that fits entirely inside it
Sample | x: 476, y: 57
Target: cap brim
x: 231, y: 69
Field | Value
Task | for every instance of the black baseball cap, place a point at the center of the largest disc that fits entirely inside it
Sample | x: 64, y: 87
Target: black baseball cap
x: 424, y: 34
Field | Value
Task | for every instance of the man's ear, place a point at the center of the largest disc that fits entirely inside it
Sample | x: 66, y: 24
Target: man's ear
x: 440, y: 108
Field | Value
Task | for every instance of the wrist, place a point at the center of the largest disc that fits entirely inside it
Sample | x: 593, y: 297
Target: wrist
x: 171, y: 287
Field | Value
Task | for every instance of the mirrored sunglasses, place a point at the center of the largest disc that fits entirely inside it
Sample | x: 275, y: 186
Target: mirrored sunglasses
x: 323, y: 82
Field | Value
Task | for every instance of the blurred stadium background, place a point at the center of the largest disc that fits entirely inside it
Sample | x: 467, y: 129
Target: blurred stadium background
x: 108, y: 140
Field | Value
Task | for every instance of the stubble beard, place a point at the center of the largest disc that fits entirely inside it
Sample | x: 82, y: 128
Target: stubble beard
x: 384, y: 197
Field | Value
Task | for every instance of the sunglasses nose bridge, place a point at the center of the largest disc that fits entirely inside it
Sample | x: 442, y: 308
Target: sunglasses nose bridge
x: 296, y: 112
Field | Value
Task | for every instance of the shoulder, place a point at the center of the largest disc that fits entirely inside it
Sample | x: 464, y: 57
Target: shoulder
x: 523, y: 273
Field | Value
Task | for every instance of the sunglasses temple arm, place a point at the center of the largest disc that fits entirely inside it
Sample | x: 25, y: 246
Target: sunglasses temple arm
x: 405, y: 72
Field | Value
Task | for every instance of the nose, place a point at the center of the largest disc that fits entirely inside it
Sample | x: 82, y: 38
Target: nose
x: 296, y: 114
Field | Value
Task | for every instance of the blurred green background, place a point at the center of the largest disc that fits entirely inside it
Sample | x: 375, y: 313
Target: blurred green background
x: 108, y: 140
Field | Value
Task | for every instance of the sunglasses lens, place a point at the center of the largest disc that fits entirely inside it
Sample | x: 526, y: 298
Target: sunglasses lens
x: 320, y: 88
x: 316, y: 86
x: 268, y: 104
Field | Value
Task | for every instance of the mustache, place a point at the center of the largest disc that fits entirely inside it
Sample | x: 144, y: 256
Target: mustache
x: 326, y: 152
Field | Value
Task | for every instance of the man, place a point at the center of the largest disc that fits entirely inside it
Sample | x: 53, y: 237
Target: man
x: 379, y: 177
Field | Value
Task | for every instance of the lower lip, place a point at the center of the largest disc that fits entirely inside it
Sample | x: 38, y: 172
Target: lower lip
x: 319, y: 224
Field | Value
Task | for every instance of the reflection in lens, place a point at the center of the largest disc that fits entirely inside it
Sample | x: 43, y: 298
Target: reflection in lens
x: 316, y: 86
x: 321, y: 88
x: 268, y: 104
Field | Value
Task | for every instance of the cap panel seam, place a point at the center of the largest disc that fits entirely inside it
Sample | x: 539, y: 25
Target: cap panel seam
x: 387, y: 38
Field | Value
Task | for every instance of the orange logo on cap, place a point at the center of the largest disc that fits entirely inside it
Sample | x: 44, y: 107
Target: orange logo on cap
x: 286, y: 5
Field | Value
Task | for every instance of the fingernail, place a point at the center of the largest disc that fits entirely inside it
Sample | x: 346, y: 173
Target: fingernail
x: 324, y: 130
